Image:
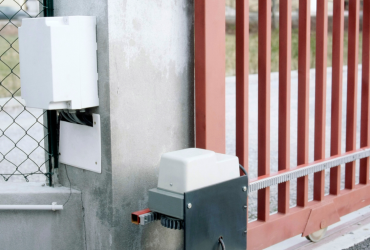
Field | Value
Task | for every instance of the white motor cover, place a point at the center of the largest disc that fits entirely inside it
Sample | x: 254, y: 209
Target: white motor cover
x: 58, y: 62
x: 193, y: 168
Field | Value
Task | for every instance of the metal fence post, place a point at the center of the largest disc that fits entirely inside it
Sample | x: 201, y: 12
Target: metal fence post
x: 52, y: 117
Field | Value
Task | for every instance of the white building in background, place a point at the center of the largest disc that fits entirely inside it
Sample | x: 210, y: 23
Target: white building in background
x: 314, y: 6
x: 253, y: 5
x: 11, y: 3
x: 33, y: 7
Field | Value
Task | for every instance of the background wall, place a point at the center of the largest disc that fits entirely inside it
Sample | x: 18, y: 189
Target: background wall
x: 146, y: 82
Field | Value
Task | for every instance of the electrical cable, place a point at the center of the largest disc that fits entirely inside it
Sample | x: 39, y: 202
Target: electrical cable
x: 76, y: 118
x: 72, y: 117
x: 70, y: 186
x: 58, y: 132
x: 221, y: 241
x: 66, y: 117
x: 89, y: 123
x: 243, y: 169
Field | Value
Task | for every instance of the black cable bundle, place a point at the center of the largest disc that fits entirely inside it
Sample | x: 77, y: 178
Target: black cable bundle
x: 81, y: 118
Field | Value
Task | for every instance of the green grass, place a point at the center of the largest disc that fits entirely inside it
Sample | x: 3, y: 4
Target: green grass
x: 253, y: 51
x: 9, y: 62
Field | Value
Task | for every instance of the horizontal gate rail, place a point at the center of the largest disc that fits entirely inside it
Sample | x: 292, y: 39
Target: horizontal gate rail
x: 303, y: 170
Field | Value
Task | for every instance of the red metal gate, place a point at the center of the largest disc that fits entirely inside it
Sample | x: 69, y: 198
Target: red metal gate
x: 307, y: 217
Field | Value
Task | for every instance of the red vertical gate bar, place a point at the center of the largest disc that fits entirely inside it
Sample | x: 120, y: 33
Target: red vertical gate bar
x: 320, y: 94
x: 285, y: 31
x: 242, y: 73
x: 209, y: 28
x: 365, y: 100
x: 353, y: 36
x: 264, y: 71
x: 336, y: 100
x: 303, y: 97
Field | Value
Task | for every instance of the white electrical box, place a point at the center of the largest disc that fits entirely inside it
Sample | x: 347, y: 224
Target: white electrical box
x: 58, y: 62
x: 193, y: 168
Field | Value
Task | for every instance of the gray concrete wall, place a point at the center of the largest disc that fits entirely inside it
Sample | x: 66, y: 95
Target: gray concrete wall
x: 41, y: 230
x: 96, y: 189
x: 151, y: 98
x: 146, y: 91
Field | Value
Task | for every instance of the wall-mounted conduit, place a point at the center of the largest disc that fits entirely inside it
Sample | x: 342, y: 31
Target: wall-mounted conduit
x: 52, y: 207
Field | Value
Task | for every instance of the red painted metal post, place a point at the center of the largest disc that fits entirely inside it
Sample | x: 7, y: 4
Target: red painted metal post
x: 365, y: 100
x: 337, y: 86
x: 285, y: 32
x: 320, y: 94
x: 353, y: 37
x: 264, y: 71
x: 242, y: 73
x: 209, y: 25
x: 303, y: 97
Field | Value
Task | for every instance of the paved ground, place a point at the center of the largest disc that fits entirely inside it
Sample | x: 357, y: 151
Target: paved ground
x: 253, y: 128
x: 365, y: 245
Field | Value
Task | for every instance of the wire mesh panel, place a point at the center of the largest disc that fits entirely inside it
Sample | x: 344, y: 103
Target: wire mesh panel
x: 24, y: 136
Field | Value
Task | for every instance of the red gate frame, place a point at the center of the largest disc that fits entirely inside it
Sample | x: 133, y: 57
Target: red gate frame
x: 323, y: 211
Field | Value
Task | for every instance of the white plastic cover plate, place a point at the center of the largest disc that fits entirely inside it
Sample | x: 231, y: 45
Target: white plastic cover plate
x: 80, y: 145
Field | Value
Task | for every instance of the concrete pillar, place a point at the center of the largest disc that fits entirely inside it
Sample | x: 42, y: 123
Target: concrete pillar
x: 146, y: 91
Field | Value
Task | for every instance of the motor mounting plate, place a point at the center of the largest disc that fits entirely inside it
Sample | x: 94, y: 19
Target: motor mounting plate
x: 215, y: 211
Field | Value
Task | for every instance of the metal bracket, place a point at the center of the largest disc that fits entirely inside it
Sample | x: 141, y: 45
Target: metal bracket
x: 217, y: 211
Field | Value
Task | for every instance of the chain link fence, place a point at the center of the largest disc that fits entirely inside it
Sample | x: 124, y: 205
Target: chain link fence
x: 24, y: 136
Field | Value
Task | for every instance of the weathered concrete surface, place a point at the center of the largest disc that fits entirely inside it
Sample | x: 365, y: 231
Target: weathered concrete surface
x: 151, y: 87
x: 96, y: 188
x: 41, y: 230
x: 146, y: 82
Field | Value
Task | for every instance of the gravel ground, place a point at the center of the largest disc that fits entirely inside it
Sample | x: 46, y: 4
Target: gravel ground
x: 253, y: 128
x: 27, y: 144
x: 365, y: 245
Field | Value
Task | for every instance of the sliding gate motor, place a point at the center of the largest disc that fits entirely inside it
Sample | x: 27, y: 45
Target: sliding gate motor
x: 202, y: 193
